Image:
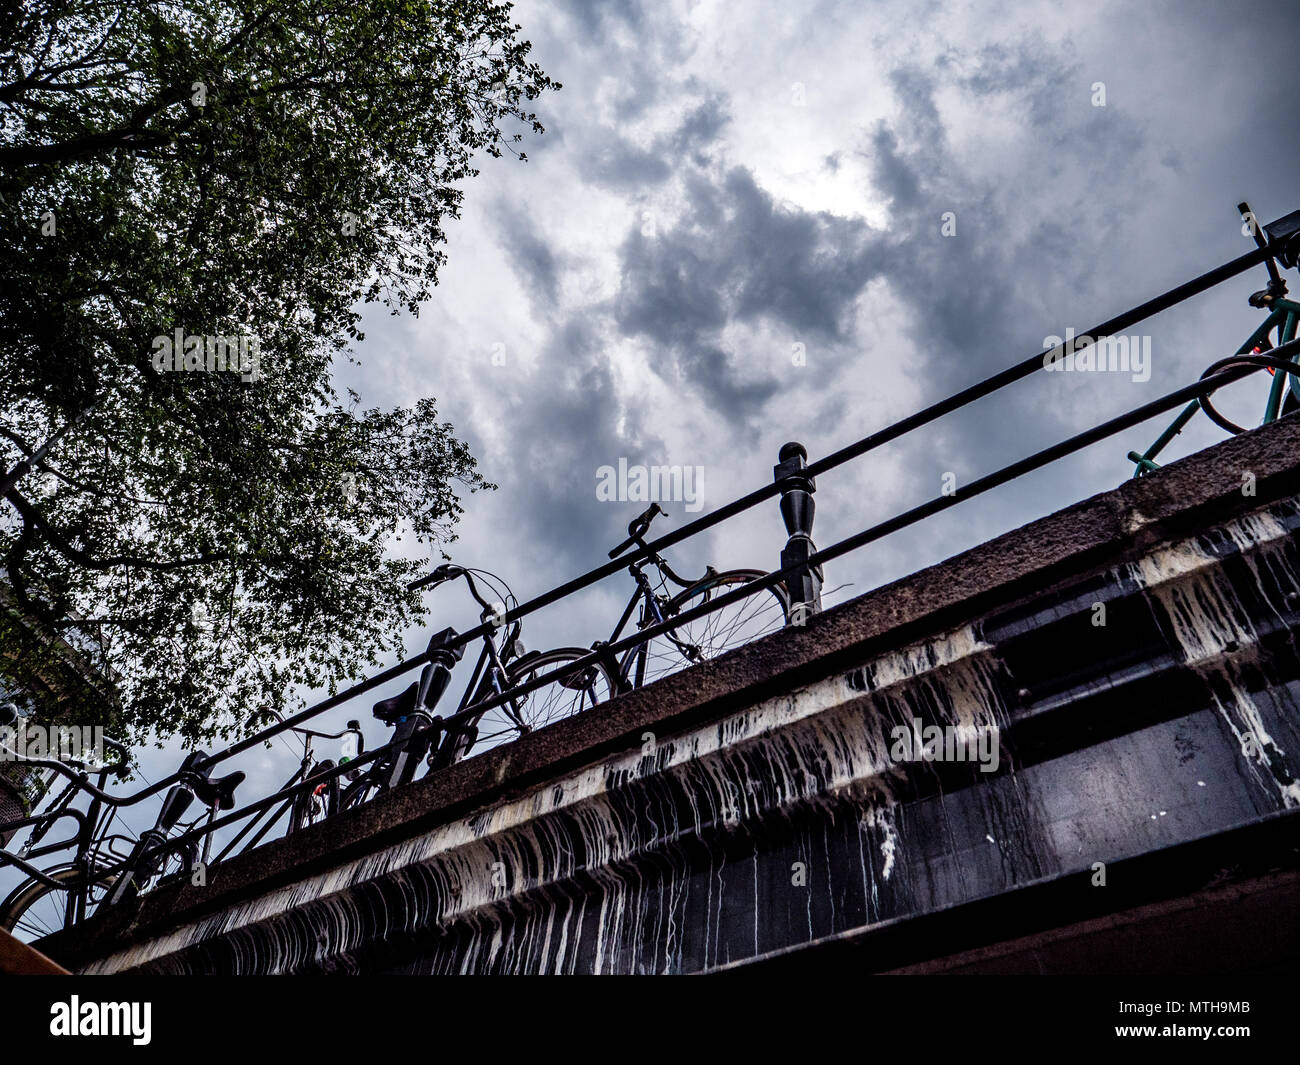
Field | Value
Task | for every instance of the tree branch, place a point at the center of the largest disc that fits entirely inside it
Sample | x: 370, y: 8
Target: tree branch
x: 31, y: 517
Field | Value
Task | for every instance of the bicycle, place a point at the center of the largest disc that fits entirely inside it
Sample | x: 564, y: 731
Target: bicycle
x: 314, y: 804
x: 149, y: 855
x: 694, y: 641
x: 98, y: 874
x: 311, y: 803
x: 48, y: 899
x: 1259, y: 350
x: 422, y: 736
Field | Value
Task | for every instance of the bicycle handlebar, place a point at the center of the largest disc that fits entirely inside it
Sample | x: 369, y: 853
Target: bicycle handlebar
x: 637, y: 528
x: 439, y: 575
x: 66, y: 768
x: 449, y: 572
x: 352, y: 726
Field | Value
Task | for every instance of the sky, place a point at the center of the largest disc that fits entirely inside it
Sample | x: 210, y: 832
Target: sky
x: 732, y: 235
x: 749, y: 223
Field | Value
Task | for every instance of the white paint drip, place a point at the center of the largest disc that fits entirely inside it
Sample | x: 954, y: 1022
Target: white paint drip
x: 1213, y: 631
x: 830, y: 725
x: 825, y: 742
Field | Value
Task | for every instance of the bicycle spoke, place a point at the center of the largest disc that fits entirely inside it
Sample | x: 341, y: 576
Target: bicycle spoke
x: 715, y: 633
x: 32, y: 924
x: 563, y: 697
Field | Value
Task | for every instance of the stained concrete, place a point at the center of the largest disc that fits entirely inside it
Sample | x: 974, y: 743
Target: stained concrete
x: 750, y: 809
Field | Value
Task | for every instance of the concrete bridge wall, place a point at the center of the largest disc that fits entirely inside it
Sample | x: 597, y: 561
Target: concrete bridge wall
x: 758, y: 809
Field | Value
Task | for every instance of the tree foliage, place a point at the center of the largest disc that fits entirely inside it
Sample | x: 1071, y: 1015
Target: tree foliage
x: 244, y: 170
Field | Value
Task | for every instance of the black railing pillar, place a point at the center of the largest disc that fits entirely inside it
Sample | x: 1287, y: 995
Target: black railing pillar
x: 797, y: 510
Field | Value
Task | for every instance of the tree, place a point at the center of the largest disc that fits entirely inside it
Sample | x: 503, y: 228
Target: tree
x: 195, y: 200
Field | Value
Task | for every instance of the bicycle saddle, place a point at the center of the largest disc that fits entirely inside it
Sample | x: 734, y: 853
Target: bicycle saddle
x: 219, y: 792
x: 398, y: 706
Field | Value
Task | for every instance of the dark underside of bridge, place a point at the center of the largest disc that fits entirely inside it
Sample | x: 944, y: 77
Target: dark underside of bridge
x: 1136, y: 655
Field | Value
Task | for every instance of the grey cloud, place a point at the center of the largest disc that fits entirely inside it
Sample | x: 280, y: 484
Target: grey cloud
x: 614, y: 161
x: 567, y: 421
x: 701, y: 126
x: 894, y: 174
x: 596, y: 16
x: 738, y: 256
x: 531, y: 255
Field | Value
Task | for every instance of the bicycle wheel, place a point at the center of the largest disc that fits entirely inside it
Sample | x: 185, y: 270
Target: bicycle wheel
x: 565, y: 695
x: 34, y: 909
x: 314, y: 804
x: 359, y: 792
x: 711, y: 635
x: 373, y: 780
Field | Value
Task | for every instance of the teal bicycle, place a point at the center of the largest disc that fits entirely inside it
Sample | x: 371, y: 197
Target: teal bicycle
x: 1282, y: 319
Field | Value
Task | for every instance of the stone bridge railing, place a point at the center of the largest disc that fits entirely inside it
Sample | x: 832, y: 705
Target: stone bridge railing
x: 1129, y: 665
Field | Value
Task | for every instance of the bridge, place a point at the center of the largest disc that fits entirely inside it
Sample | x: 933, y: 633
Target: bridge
x: 1113, y: 784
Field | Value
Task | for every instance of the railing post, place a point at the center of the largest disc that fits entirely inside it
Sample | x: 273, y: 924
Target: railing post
x: 797, y: 510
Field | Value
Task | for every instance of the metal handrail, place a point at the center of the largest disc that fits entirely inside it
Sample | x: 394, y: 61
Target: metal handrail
x: 646, y: 550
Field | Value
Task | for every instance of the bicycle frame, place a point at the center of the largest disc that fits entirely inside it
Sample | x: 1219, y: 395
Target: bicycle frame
x: 418, y: 733
x: 90, y: 831
x: 490, y: 668
x: 148, y: 854
x: 651, y: 614
x: 487, y: 679
x: 306, y: 765
x: 1284, y: 316
x: 645, y: 593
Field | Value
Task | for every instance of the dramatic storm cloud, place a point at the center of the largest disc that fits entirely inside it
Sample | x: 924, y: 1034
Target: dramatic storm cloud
x: 749, y: 223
